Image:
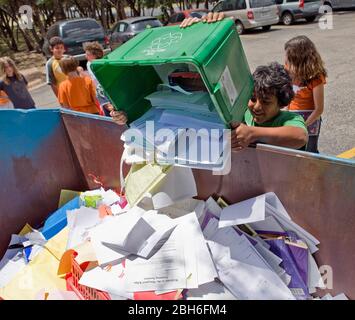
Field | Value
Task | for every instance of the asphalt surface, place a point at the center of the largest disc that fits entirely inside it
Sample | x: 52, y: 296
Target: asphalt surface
x: 337, y: 48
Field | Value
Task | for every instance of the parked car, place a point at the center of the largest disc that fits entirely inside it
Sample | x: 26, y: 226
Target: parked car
x: 292, y: 10
x: 75, y: 33
x: 249, y: 14
x: 126, y: 29
x: 340, y: 4
x: 179, y: 17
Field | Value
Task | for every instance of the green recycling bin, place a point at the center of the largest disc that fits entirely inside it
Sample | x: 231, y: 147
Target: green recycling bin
x: 135, y: 69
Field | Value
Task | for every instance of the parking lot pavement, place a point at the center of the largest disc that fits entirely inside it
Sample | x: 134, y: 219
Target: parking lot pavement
x: 336, y: 46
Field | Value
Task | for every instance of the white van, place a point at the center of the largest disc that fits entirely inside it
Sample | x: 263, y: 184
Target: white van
x: 250, y: 14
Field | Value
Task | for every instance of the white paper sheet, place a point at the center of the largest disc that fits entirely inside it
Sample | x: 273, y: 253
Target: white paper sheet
x: 315, y: 279
x: 213, y: 207
x: 10, y: 268
x: 206, y: 271
x: 249, y: 280
x: 174, y: 266
x: 269, y: 224
x: 178, y: 185
x: 79, y: 222
x: 340, y: 296
x: 109, y: 230
x: 287, y: 224
x: 243, y: 212
x: 108, y: 281
x: 273, y: 200
x: 164, y: 271
x: 210, y: 291
x: 181, y: 208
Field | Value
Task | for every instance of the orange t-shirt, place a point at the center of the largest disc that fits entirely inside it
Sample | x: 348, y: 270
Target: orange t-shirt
x: 79, y: 94
x: 303, y: 99
x: 3, y: 98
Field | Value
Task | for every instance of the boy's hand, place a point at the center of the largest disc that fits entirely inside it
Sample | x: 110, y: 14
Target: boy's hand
x: 242, y: 136
x: 209, y: 18
x: 119, y: 117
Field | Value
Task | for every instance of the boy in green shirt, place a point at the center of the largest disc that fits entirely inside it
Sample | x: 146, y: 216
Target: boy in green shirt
x: 264, y: 121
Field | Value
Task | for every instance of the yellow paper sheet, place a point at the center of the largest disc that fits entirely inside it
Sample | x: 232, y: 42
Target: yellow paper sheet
x: 66, y: 196
x: 40, y: 273
x: 143, y: 178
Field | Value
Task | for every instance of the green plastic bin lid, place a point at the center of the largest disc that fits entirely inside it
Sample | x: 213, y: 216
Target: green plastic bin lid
x: 134, y: 70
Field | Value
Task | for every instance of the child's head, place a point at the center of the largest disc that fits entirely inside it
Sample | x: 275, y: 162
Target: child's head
x: 68, y: 65
x: 93, y: 50
x: 302, y: 59
x: 9, y: 69
x: 56, y: 45
x: 272, y: 91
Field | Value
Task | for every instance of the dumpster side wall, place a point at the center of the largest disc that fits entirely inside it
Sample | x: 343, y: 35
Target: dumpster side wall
x: 36, y: 162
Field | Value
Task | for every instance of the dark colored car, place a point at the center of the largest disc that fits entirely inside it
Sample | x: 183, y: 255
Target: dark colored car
x: 179, y: 17
x: 126, y: 29
x: 293, y: 10
x: 74, y: 33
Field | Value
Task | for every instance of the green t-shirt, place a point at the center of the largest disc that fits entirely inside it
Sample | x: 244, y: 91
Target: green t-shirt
x: 284, y: 118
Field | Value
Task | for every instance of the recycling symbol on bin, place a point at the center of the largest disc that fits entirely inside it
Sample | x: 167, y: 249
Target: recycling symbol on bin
x: 162, y: 43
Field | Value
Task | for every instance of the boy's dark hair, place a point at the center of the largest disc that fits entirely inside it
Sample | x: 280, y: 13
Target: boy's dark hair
x: 68, y: 64
x: 273, y: 80
x: 94, y: 48
x: 55, y: 41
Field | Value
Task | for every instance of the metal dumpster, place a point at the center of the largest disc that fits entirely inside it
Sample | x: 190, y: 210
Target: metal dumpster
x: 44, y: 151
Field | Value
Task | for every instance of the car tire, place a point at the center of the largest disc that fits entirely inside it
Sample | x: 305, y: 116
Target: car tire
x: 311, y: 19
x: 240, y: 27
x: 266, y: 28
x: 328, y: 4
x: 287, y: 18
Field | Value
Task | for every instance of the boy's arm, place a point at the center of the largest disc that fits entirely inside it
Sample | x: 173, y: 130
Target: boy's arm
x: 50, y: 79
x: 318, y: 97
x: 286, y: 136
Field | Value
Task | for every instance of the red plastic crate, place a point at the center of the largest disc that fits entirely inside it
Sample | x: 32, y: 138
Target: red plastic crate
x: 83, y: 292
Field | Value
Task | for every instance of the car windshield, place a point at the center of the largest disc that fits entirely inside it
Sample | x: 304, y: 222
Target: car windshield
x: 261, y: 3
x: 141, y: 25
x: 82, y: 28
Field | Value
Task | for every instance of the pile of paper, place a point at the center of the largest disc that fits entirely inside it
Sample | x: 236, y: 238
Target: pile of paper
x: 183, y: 248
x: 191, y: 120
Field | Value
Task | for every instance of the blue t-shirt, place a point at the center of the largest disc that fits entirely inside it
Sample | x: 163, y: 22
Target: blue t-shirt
x: 18, y: 93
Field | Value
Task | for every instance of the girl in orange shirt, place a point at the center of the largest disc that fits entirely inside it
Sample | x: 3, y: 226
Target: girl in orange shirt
x: 308, y: 74
x: 76, y: 93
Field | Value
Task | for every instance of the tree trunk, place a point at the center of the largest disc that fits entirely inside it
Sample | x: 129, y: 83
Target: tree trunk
x: 80, y: 8
x: 59, y: 13
x: 27, y: 39
x: 134, y: 10
x: 104, y: 14
x: 206, y: 5
x: 121, y: 13
x: 93, y: 9
x: 197, y: 4
x: 171, y: 8
x: 6, y: 32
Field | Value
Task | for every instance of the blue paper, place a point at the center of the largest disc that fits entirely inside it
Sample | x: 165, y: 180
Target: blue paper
x: 58, y: 220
